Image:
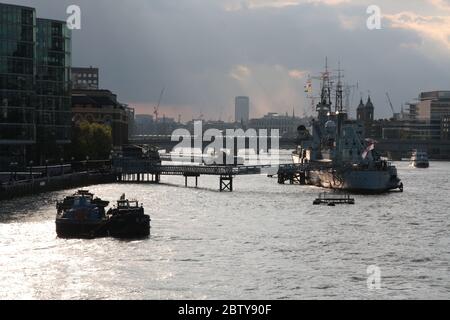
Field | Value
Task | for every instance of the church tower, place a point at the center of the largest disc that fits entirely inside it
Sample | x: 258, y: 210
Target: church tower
x: 360, y: 115
x: 369, y: 111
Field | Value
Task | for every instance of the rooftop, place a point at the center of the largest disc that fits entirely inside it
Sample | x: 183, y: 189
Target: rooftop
x: 435, y: 95
x: 16, y: 6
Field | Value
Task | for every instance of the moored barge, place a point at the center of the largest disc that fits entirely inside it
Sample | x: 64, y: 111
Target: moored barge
x: 83, y: 216
x: 128, y: 220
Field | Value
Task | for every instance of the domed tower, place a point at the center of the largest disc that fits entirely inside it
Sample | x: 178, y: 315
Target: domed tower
x: 360, y: 111
x: 369, y: 111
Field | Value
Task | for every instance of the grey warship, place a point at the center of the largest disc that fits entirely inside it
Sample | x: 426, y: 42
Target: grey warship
x: 337, y: 151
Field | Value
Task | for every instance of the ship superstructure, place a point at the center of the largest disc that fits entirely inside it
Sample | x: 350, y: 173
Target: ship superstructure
x: 337, y: 147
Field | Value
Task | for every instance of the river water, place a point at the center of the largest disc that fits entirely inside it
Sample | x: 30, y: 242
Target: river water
x: 263, y: 241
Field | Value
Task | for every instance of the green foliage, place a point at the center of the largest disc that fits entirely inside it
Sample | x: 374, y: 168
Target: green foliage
x: 93, y: 140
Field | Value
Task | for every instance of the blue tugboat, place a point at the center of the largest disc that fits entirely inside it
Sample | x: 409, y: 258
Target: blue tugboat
x: 128, y: 220
x: 81, y: 216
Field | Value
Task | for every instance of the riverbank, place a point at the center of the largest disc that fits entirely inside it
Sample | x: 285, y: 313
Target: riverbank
x: 18, y: 189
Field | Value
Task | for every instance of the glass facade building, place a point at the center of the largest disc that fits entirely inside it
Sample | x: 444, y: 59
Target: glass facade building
x: 17, y: 76
x: 53, y: 88
x: 35, y: 97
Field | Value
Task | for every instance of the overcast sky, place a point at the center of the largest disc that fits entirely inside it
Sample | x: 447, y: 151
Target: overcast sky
x: 206, y: 52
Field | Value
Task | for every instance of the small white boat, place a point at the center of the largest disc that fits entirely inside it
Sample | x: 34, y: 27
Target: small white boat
x: 420, y: 159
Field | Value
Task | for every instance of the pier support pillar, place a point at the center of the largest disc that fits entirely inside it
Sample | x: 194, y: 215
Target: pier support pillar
x: 282, y: 178
x: 302, y: 178
x: 192, y: 176
x: 298, y: 178
x: 226, y: 183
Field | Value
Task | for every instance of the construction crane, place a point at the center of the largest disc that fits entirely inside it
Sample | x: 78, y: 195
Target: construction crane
x: 390, y: 103
x: 156, y: 112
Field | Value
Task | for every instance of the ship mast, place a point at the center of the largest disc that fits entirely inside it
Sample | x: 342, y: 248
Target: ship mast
x: 340, y: 113
x: 324, y: 107
x: 339, y: 106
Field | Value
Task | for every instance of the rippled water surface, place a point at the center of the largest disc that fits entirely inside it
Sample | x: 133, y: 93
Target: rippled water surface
x: 263, y: 241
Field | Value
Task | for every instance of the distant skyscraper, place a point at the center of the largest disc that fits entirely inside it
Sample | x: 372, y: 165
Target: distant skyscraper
x: 242, y: 111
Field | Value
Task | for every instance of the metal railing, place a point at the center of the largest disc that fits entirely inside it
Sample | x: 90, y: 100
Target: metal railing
x: 148, y: 167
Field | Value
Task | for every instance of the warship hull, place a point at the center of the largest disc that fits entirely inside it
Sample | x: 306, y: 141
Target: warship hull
x: 367, y: 181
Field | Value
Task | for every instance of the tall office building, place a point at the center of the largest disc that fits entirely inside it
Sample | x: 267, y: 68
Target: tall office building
x: 34, y: 85
x: 428, y: 120
x: 242, y: 109
x: 17, y: 77
x: 432, y: 105
x: 430, y: 113
x: 53, y: 88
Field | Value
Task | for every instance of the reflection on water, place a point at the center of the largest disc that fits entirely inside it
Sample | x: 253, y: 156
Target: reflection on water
x: 263, y: 241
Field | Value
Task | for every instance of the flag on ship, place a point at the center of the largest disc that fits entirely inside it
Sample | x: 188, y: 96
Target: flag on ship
x: 369, y: 148
x: 308, y: 86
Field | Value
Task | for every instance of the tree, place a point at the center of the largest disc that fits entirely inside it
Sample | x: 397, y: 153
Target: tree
x: 93, y: 140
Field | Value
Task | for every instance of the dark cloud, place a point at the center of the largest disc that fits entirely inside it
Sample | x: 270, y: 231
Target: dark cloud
x: 191, y: 47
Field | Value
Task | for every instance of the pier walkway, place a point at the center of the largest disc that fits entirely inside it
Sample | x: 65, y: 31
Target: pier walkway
x: 147, y: 171
x: 144, y: 171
